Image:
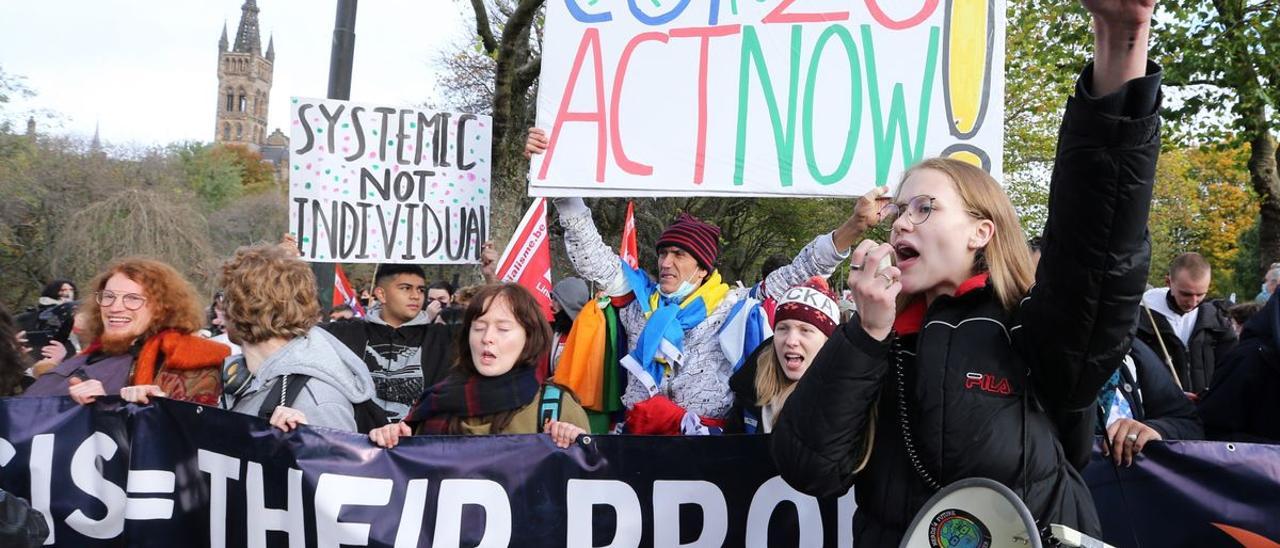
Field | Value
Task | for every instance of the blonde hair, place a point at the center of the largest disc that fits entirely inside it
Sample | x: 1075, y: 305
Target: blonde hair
x: 269, y: 293
x: 173, y: 300
x: 1006, y: 257
x: 771, y: 382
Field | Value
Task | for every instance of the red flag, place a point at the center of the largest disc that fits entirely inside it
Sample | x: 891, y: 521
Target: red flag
x: 343, y: 293
x: 527, y: 259
x: 628, y: 249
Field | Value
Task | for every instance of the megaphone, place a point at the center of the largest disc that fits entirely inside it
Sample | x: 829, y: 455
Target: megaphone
x: 983, y: 513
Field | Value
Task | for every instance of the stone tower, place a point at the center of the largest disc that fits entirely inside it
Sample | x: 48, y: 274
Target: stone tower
x: 244, y: 83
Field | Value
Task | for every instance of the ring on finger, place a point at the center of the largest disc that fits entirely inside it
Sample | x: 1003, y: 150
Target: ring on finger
x: 886, y: 277
x: 1131, y: 438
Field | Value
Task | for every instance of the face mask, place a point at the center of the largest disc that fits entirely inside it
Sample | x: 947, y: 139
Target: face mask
x: 686, y: 287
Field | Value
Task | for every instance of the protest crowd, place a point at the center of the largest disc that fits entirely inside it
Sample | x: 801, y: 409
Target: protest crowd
x: 959, y: 347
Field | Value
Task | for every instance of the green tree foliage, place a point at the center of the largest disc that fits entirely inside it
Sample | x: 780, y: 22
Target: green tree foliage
x: 751, y: 229
x: 212, y: 177
x: 1045, y: 51
x: 1247, y: 279
x: 219, y: 174
x: 67, y: 211
x: 1218, y: 166
x: 1038, y: 79
x: 1202, y: 203
x: 1221, y: 56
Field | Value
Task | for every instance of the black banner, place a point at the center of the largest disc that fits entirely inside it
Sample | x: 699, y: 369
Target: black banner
x: 178, y: 474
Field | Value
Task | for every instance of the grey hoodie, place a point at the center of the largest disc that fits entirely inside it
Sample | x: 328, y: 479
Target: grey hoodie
x: 338, y: 380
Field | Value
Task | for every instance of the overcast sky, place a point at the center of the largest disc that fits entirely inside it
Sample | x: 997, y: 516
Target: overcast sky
x: 146, y: 69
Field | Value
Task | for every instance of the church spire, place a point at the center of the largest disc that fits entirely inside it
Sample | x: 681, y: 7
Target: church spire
x: 95, y: 146
x: 247, y: 38
x: 271, y: 49
x: 222, y: 43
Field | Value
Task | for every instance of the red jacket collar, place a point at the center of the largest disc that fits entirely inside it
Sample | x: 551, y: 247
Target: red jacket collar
x: 911, y: 317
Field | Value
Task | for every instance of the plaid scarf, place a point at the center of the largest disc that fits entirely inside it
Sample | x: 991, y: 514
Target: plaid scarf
x: 473, y: 396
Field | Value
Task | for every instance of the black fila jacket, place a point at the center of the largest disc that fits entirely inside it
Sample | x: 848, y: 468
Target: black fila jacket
x: 989, y: 393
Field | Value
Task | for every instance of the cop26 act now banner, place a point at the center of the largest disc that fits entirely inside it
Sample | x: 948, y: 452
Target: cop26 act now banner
x: 178, y: 474
x: 764, y: 97
x: 383, y: 184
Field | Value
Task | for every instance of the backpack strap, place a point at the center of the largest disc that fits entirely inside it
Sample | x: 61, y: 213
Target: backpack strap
x: 549, y: 405
x: 282, y: 392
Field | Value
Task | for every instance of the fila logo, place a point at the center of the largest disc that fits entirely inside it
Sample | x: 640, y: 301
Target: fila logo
x: 987, y: 383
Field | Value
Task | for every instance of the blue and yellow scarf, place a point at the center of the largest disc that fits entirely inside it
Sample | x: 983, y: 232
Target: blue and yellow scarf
x: 662, y: 340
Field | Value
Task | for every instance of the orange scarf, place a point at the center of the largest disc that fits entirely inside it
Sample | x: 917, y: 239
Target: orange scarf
x: 180, y: 351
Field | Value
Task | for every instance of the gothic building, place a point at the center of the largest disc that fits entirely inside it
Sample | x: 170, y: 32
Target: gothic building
x: 244, y: 83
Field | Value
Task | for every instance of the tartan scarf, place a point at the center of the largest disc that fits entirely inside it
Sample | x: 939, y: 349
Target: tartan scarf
x: 473, y: 396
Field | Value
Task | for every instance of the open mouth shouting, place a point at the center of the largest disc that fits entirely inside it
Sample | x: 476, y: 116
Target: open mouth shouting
x: 794, y: 360
x: 905, y: 254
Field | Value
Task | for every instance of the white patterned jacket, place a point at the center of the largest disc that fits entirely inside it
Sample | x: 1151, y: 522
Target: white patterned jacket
x: 700, y: 383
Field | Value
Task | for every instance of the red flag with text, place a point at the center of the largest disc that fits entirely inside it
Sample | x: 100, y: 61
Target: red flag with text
x: 344, y: 293
x: 527, y: 259
x: 629, y: 251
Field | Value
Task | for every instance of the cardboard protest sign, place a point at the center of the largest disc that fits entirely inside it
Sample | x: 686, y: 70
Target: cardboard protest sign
x: 764, y: 98
x: 375, y: 184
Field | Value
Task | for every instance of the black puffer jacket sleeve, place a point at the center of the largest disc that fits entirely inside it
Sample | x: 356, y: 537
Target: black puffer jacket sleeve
x: 1074, y: 327
x: 820, y: 435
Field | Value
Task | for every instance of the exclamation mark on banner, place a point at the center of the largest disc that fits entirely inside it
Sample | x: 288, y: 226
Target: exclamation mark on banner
x: 966, y: 74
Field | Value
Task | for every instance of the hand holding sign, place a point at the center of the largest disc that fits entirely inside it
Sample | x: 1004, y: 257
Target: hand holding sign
x: 83, y: 391
x: 489, y: 263
x: 536, y: 143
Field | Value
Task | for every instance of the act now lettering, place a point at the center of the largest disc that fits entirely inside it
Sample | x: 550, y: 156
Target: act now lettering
x: 782, y: 97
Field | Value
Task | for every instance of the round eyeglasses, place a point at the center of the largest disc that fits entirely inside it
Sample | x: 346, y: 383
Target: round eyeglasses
x: 131, y: 301
x: 917, y: 210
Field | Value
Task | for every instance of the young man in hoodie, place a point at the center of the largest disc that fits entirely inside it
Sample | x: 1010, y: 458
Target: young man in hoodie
x: 1189, y: 331
x: 404, y: 350
x: 275, y: 324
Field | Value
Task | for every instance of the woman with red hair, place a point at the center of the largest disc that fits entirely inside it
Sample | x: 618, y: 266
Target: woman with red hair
x: 142, y: 316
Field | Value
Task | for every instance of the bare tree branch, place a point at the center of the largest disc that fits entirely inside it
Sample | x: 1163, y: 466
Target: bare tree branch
x: 482, y: 26
x: 513, y: 52
x: 529, y: 72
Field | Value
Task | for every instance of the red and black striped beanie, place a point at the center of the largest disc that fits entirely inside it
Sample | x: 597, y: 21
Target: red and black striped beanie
x: 700, y: 239
x: 811, y: 302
